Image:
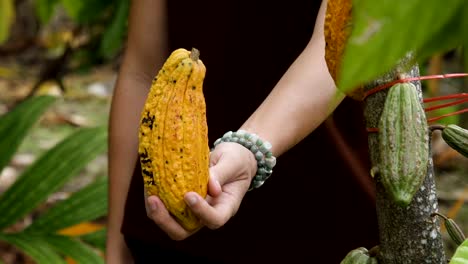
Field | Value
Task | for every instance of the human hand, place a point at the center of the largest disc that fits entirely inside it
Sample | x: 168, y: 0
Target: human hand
x: 232, y: 167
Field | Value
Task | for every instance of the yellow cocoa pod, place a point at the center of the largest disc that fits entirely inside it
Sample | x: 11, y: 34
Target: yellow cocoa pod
x: 337, y: 29
x: 173, y: 136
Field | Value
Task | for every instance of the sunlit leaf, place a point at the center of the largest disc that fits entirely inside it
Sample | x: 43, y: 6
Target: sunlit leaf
x: 45, y: 9
x: 34, y: 247
x: 113, y: 37
x: 385, y: 31
x: 86, y: 204
x: 73, y: 248
x: 7, y: 16
x: 81, y: 229
x: 465, y: 56
x: 454, y: 119
x: 50, y: 172
x: 461, y: 254
x: 49, y: 249
x: 15, y: 124
x: 96, y: 239
x: 85, y: 11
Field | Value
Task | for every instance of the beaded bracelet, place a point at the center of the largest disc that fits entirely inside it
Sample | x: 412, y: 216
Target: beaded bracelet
x: 261, y: 150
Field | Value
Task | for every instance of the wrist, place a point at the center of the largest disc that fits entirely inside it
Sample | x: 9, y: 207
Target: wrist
x: 261, y: 150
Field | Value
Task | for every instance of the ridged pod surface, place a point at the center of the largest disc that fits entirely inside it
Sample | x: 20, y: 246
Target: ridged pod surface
x: 359, y: 256
x: 173, y: 136
x: 454, y: 231
x: 337, y: 29
x: 457, y: 138
x: 404, y: 143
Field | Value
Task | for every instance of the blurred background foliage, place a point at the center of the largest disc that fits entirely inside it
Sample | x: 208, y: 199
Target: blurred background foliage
x: 59, y: 59
x: 56, y: 230
x: 58, y: 64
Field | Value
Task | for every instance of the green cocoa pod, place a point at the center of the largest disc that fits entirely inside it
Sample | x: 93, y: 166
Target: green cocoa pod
x: 453, y: 230
x: 404, y: 143
x: 457, y: 138
x: 461, y: 254
x: 359, y: 256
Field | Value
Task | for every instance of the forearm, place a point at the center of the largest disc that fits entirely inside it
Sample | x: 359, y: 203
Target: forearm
x: 301, y: 100
x: 143, y: 56
x: 123, y: 145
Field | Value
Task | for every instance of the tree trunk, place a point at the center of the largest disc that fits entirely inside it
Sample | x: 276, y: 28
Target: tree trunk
x: 407, y: 235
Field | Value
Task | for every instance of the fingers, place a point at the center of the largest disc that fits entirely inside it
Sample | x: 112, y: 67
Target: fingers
x: 159, y: 214
x: 212, y: 216
x: 231, y: 168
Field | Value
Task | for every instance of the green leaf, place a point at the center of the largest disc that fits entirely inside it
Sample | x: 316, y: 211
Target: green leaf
x: 45, y: 9
x: 73, y: 248
x: 461, y: 254
x: 96, y: 239
x: 7, y: 17
x: 454, y: 119
x: 385, y: 31
x: 34, y: 247
x: 87, y: 204
x: 85, y: 11
x: 50, y: 172
x: 113, y: 37
x: 465, y: 56
x: 448, y: 37
x: 15, y: 125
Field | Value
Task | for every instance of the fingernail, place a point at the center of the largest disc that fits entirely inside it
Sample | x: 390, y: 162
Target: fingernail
x: 153, y: 205
x: 191, y: 199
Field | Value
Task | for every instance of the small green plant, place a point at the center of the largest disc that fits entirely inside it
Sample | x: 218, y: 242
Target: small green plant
x: 42, y: 239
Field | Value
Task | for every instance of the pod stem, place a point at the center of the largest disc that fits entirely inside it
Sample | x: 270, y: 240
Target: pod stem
x: 440, y: 215
x: 432, y: 128
x: 374, y: 251
x: 195, y: 54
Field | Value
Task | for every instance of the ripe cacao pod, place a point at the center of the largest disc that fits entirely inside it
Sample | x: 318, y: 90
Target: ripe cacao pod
x: 359, y: 256
x: 173, y: 135
x: 457, y: 138
x: 337, y: 29
x: 404, y: 143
